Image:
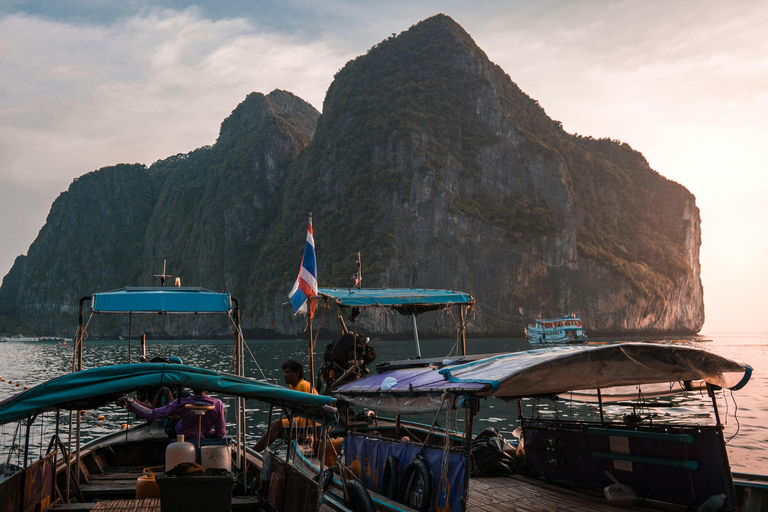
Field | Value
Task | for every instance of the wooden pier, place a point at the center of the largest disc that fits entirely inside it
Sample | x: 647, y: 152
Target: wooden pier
x: 520, y: 494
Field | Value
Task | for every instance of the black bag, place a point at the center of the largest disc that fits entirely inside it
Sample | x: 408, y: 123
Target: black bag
x: 491, y: 455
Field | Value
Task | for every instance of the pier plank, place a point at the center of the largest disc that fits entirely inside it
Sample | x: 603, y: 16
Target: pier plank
x: 519, y: 494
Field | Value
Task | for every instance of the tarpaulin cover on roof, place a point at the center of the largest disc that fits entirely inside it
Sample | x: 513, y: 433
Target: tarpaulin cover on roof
x: 545, y: 371
x: 98, y: 386
x: 404, y: 300
x: 161, y: 300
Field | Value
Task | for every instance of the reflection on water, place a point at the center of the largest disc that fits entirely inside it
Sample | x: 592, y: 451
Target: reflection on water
x: 31, y: 363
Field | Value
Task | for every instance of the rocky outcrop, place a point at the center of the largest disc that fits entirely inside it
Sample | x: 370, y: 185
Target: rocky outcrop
x: 428, y: 160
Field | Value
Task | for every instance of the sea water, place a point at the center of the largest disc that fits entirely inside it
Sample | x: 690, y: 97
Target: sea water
x: 742, y: 412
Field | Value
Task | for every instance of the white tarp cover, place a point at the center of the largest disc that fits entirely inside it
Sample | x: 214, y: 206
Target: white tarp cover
x: 562, y: 369
x: 546, y: 371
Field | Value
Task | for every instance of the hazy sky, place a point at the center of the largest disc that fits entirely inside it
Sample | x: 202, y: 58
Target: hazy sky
x: 91, y: 83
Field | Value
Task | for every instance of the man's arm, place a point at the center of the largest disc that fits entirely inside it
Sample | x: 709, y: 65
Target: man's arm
x: 220, y: 427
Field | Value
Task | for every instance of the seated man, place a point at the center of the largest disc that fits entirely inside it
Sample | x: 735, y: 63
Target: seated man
x: 212, y: 423
x: 293, y: 373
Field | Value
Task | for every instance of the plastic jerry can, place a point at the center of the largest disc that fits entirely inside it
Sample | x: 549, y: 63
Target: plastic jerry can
x: 146, y: 485
x: 179, y: 452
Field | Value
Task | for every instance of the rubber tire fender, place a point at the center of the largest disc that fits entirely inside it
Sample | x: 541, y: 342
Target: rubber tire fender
x: 327, y: 479
x: 391, y: 479
x: 358, y: 498
x: 419, y: 466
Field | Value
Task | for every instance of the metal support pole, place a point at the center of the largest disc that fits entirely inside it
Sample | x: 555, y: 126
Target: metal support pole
x: 311, y: 349
x: 323, y: 469
x: 240, y: 401
x: 463, y: 331
x: 416, y: 335
x: 711, y: 393
x: 468, y: 452
x: 130, y: 328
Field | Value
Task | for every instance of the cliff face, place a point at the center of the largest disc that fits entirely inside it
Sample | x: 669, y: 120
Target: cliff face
x: 430, y: 161
x: 434, y: 163
x: 206, y: 212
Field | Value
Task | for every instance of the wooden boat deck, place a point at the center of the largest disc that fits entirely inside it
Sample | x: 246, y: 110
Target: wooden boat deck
x: 128, y: 505
x: 519, y: 494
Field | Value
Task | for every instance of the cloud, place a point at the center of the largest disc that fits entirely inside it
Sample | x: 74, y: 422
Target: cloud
x: 76, y: 97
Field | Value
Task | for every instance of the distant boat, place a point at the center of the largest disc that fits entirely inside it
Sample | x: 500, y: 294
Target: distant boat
x: 566, y: 329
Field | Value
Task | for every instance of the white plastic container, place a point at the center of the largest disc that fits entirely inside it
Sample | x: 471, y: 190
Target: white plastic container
x: 619, y: 493
x: 179, y: 452
x: 216, y: 456
x: 713, y: 504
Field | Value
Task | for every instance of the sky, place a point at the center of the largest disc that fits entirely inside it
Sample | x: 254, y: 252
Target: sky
x: 86, y: 84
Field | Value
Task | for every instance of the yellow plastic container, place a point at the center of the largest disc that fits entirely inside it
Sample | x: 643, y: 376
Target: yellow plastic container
x: 146, y: 485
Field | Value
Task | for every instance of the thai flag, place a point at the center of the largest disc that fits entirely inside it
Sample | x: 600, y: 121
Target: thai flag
x: 306, y: 284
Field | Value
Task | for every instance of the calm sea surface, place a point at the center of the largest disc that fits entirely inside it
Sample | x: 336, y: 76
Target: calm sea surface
x: 743, y: 412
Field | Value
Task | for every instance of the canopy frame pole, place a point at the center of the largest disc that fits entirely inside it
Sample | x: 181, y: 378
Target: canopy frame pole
x: 240, y: 401
x: 600, y: 405
x: 79, y: 367
x: 471, y: 410
x: 311, y: 348
x: 416, y: 335
x: 130, y: 328
x: 324, y: 442
x: 711, y: 393
x: 463, y: 331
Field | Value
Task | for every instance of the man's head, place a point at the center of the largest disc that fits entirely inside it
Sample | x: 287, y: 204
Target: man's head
x: 293, y: 372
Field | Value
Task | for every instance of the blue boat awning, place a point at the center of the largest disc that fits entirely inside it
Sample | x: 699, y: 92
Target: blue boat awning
x: 96, y: 387
x: 179, y: 300
x: 404, y: 300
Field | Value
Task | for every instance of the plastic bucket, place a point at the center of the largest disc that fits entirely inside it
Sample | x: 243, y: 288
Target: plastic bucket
x: 216, y: 456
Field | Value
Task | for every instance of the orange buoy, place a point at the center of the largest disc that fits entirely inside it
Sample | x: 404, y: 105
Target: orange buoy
x: 123, y: 426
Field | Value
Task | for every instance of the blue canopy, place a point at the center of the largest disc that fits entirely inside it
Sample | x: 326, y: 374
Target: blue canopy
x: 179, y: 300
x: 404, y: 300
x: 96, y: 387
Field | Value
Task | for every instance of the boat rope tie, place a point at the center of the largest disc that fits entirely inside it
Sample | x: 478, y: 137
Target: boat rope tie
x: 443, y: 485
x: 445, y: 396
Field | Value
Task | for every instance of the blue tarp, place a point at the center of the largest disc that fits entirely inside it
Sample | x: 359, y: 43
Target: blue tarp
x: 161, y: 300
x: 370, y: 456
x: 405, y: 300
x: 96, y: 387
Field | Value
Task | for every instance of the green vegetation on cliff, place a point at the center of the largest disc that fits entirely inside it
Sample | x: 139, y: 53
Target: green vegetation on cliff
x: 419, y: 139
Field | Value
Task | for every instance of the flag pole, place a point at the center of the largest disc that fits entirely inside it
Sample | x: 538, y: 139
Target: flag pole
x: 311, y: 346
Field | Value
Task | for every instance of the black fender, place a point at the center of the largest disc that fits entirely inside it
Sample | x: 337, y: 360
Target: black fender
x: 417, y: 468
x: 327, y: 479
x: 358, y: 498
x: 390, y: 482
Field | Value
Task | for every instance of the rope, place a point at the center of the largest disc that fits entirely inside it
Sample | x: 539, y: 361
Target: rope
x: 240, y: 333
x: 735, y: 416
x: 79, y: 338
x: 445, y: 396
x: 446, y: 453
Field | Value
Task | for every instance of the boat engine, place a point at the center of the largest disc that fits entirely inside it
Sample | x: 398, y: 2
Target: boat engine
x: 346, y: 359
